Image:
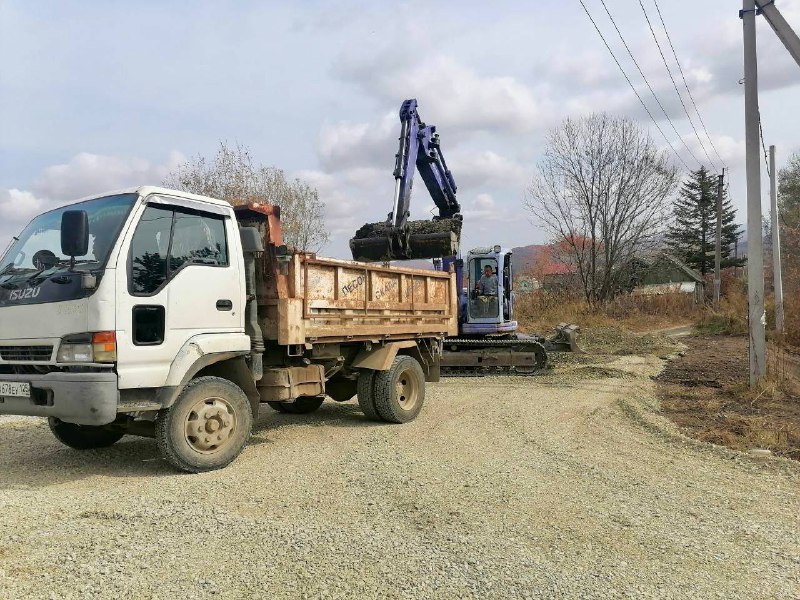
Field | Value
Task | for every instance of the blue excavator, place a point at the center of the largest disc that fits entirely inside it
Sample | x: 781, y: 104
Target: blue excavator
x: 488, y: 340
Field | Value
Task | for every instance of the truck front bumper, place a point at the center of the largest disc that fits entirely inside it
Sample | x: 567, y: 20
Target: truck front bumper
x: 82, y: 398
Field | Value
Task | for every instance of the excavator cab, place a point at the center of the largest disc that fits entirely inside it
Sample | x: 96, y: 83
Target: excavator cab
x: 490, y: 301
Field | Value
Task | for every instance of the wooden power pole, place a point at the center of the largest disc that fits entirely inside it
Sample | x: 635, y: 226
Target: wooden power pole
x: 777, y: 276
x: 718, y: 252
x: 755, y: 257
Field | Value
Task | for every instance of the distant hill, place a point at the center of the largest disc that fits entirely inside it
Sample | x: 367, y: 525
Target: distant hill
x: 525, y: 256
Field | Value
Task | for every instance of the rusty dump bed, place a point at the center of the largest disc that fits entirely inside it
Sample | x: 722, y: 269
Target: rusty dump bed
x: 303, y: 298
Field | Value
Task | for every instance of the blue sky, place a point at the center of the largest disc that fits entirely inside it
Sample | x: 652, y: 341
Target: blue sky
x: 102, y: 95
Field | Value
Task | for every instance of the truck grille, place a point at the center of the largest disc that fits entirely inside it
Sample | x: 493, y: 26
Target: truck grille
x: 26, y: 353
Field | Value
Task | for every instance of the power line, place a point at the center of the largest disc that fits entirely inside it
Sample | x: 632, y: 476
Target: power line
x: 675, y: 85
x: 624, y: 74
x: 652, y: 91
x: 685, y: 84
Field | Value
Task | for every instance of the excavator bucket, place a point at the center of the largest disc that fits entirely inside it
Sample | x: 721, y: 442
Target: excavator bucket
x: 565, y: 339
x: 375, y: 242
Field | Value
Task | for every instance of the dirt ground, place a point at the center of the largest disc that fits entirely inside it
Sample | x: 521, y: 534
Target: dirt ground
x: 705, y: 392
x: 569, y: 485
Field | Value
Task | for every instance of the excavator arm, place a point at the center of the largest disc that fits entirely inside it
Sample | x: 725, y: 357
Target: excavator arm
x: 398, y: 238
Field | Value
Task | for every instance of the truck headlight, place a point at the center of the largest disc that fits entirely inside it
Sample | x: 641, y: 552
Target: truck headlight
x: 97, y: 347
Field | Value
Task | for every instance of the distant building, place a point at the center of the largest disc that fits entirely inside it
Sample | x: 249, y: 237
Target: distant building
x: 662, y: 273
x: 526, y: 284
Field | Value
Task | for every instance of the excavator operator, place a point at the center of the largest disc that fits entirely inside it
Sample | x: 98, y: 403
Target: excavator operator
x: 487, y: 284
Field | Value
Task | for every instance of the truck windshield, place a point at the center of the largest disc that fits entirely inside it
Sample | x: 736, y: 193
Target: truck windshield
x: 38, y: 248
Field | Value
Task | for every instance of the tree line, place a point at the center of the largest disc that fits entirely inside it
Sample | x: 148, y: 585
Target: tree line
x: 233, y: 176
x: 609, y: 196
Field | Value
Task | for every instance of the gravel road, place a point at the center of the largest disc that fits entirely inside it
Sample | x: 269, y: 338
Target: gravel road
x: 565, y: 486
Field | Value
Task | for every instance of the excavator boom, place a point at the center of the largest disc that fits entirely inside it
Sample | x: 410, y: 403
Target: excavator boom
x: 397, y: 238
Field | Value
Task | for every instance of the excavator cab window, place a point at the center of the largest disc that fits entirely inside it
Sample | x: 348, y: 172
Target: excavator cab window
x: 484, y: 302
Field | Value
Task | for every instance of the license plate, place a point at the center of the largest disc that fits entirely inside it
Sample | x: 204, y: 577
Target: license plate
x: 15, y: 389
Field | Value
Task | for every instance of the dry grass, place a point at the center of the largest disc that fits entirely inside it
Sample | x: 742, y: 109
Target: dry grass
x: 541, y: 310
x: 731, y: 316
x: 706, y: 393
x: 791, y: 307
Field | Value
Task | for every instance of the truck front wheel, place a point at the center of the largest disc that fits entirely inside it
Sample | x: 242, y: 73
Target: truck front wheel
x: 400, y: 391
x: 83, y: 437
x: 207, y: 427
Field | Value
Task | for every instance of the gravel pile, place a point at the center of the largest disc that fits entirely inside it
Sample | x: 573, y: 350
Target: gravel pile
x: 503, y: 488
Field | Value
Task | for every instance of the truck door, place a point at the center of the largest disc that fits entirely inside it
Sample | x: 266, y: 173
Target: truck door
x: 181, y: 279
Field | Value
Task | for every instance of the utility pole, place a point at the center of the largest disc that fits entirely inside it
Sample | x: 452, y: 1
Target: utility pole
x: 718, y: 254
x: 755, y: 258
x: 777, y: 277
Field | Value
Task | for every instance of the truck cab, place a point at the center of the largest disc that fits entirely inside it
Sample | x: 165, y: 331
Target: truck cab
x: 115, y: 309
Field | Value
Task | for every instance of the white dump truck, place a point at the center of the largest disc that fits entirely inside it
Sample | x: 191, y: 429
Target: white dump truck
x: 161, y: 313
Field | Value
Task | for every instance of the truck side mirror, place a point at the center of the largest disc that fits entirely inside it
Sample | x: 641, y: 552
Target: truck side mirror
x: 74, y: 233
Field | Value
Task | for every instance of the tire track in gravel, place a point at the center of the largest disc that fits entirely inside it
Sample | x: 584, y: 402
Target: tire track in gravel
x: 554, y: 487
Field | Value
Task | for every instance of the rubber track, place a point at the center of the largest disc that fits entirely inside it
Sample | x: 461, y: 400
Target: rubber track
x: 509, y: 370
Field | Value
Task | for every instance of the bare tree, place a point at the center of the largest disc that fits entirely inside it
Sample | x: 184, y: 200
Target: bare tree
x: 602, y: 191
x: 233, y: 176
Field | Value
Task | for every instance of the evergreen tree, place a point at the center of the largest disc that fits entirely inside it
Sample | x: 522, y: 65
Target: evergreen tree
x: 692, y: 235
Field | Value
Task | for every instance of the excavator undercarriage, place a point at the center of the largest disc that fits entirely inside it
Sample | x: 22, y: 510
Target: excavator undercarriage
x: 515, y: 354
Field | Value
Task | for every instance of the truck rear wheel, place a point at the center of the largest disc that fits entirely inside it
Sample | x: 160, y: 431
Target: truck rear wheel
x: 301, y: 406
x: 83, y: 437
x: 366, y: 395
x: 400, y: 391
x: 207, y: 427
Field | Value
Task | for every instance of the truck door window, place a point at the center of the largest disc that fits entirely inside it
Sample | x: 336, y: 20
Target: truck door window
x: 168, y: 239
x: 149, y: 250
x: 198, y: 239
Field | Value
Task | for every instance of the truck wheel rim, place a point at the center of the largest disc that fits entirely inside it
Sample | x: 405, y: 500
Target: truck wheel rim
x: 406, y: 390
x: 209, y: 426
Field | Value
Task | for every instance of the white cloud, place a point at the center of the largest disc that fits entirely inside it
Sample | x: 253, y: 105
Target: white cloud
x: 83, y: 175
x: 458, y: 96
x: 17, y: 205
x: 356, y: 145
x: 487, y: 168
x: 88, y: 173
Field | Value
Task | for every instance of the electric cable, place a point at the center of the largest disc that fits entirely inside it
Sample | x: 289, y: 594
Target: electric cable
x: 686, y: 84
x: 630, y: 83
x: 675, y: 85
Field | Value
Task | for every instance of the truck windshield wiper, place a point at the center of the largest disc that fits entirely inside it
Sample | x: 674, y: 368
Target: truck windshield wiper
x: 7, y: 269
x: 7, y: 284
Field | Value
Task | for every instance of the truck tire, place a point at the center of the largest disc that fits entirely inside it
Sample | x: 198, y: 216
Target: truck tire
x: 400, y: 392
x: 207, y: 427
x: 366, y: 395
x: 83, y: 437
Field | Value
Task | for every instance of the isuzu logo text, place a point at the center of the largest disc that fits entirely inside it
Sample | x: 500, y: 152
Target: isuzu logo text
x: 24, y: 294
